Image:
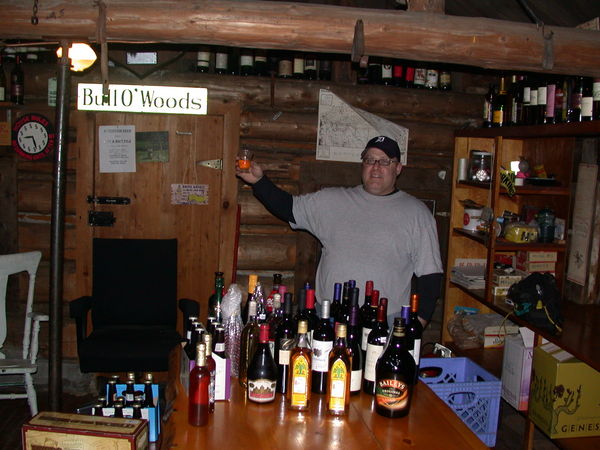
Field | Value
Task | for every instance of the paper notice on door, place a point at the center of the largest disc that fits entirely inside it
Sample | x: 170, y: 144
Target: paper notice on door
x: 117, y: 148
x: 189, y: 194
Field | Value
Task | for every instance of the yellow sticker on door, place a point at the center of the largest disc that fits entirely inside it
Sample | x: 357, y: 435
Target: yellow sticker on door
x: 189, y: 194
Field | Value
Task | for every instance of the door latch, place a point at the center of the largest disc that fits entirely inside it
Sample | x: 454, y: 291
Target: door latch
x: 109, y: 200
x: 211, y: 163
x: 101, y: 219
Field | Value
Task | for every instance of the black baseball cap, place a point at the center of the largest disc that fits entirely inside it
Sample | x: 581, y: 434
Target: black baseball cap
x: 385, y: 144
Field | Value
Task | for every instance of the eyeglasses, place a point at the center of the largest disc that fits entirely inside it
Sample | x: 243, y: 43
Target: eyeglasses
x: 381, y: 162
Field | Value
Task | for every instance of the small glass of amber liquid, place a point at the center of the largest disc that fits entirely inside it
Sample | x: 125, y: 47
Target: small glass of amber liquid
x: 245, y: 159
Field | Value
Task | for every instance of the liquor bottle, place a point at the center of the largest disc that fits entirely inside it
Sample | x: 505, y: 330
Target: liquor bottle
x: 368, y: 322
x: 414, y: 330
x: 216, y: 298
x: 395, y: 376
x: 219, y: 341
x: 274, y: 321
x: 285, y: 67
x: 261, y: 67
x: 284, y: 342
x: 248, y: 342
x: 432, y: 79
x: 310, y: 67
x: 262, y: 372
x: 300, y: 367
x: 387, y: 73
x: 148, y: 394
x: 353, y: 339
x: 343, y: 314
x: 365, y: 309
x: 374, y: 71
x: 559, y: 101
x: 397, y: 74
x: 274, y: 290
x: 301, y: 308
x: 568, y: 93
x: 246, y: 62
x: 445, y: 80
x: 203, y: 60
x: 222, y: 61
x: 587, y: 100
x: 311, y: 313
x: 488, y: 107
x: 322, y: 343
x: 336, y: 304
x: 298, y: 67
x: 212, y: 369
x: 550, y: 101
x: 575, y: 101
x: 409, y: 77
x: 252, y: 280
x: 525, y: 100
x: 420, y: 77
x: 17, y: 82
x: 499, y: 105
x: 325, y: 69
x: 261, y: 303
x: 542, y: 102
x: 595, y: 97
x: 375, y: 345
x: 234, y: 61
x: 3, y: 89
x: 340, y: 372
x: 198, y: 389
x: 532, y: 108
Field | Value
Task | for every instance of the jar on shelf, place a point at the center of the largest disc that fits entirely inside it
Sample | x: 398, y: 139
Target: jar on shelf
x: 480, y: 166
x: 545, y: 219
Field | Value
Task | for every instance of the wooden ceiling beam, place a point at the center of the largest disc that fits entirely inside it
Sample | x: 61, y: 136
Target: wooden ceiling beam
x: 422, y: 36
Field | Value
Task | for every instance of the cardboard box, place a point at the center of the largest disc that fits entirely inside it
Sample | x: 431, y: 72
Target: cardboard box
x: 493, y: 336
x: 152, y: 415
x: 531, y: 267
x: 541, y: 256
x: 564, y: 394
x: 500, y: 291
x: 53, y: 430
x: 503, y: 279
x: 516, y: 368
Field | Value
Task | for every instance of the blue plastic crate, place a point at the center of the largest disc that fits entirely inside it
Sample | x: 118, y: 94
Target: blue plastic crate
x: 472, y: 392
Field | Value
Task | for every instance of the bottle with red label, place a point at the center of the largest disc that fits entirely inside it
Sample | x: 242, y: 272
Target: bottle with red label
x: 395, y: 376
x: 262, y: 372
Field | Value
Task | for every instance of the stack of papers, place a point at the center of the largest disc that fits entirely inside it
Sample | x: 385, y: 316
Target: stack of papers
x: 470, y: 277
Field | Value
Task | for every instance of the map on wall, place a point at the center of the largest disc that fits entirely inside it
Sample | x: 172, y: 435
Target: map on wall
x: 343, y: 130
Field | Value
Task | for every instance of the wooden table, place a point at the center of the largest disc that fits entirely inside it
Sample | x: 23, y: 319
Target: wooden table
x: 240, y: 423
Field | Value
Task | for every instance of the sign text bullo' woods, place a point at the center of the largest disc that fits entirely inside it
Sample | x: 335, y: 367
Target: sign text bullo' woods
x: 144, y: 99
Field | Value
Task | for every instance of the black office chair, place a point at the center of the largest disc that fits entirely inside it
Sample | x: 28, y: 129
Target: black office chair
x: 133, y: 307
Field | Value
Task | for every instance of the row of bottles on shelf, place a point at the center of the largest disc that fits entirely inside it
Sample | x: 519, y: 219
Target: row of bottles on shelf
x: 349, y: 349
x: 536, y: 100
x: 246, y: 61
x: 15, y: 91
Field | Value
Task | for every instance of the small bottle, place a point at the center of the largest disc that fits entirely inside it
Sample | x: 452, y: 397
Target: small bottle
x: 376, y: 343
x: 203, y: 60
x: 248, y: 343
x: 118, y: 409
x: 587, y: 100
x: 300, y: 367
x: 298, y: 67
x: 445, y: 80
x: 129, y: 388
x: 261, y: 68
x: 432, y: 79
x: 340, y: 372
x: 98, y: 409
x: 222, y: 61
x: 322, y: 343
x: 111, y: 394
x: 17, y: 82
x: 211, y: 365
x: 219, y: 342
x: 136, y: 410
x: 595, y: 98
x: 285, y: 67
x: 310, y: 67
x: 395, y: 376
x: 262, y: 372
x: 198, y: 389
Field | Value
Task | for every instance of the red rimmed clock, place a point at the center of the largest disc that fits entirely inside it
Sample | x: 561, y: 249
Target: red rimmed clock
x: 33, y: 136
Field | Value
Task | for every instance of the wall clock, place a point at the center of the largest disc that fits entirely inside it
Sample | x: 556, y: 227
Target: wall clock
x: 33, y: 136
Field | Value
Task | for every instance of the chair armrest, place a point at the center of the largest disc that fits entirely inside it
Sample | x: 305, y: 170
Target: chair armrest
x: 78, y: 310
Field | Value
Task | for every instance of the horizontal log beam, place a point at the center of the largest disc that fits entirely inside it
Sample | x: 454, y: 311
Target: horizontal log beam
x: 475, y: 41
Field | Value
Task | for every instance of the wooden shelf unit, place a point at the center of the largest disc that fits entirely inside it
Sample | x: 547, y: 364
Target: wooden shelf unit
x: 553, y: 146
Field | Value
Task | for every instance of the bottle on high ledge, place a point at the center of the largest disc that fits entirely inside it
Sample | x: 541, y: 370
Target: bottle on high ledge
x: 284, y: 343
x: 340, y: 372
x: 500, y: 106
x: 17, y: 82
x: 222, y: 61
x: 322, y: 343
x: 261, y: 67
x: 198, y: 406
x: 212, y: 369
x: 353, y: 338
x: 310, y: 67
x: 375, y: 344
x: 300, y: 367
x: 252, y: 280
x: 203, y: 58
x: 216, y: 298
x: 248, y: 343
x: 3, y: 89
x: 575, y: 100
x: 368, y: 323
x: 587, y: 100
x: 596, y: 98
x: 396, y: 375
x: 262, y: 372
x: 246, y: 62
x: 325, y: 69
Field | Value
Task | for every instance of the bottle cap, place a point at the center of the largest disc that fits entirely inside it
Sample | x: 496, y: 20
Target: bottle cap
x: 208, y: 341
x: 375, y: 298
x: 325, y: 309
x: 302, y: 327
x: 310, y: 299
x: 368, y: 287
x: 341, y: 330
x: 405, y: 313
x: 337, y: 291
x: 252, y: 280
x: 263, y: 336
x: 414, y: 302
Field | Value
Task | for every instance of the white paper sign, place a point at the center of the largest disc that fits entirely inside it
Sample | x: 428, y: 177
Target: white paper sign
x: 343, y: 130
x: 117, y: 148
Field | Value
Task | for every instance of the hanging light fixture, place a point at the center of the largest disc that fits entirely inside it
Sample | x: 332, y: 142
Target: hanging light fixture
x: 82, y: 56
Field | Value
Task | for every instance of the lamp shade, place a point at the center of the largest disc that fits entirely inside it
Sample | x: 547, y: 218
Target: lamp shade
x: 81, y: 55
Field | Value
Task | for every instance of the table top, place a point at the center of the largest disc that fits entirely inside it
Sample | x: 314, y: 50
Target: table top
x: 240, y: 423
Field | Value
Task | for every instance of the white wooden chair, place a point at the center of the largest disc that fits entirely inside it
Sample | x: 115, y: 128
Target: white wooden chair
x: 26, y: 366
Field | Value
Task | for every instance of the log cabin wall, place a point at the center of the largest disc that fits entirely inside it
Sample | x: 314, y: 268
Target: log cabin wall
x: 279, y: 123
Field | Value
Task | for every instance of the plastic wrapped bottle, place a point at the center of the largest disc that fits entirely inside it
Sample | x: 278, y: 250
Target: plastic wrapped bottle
x: 232, y: 322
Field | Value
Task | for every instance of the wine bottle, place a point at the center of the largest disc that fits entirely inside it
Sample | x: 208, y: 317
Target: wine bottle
x: 575, y: 100
x: 216, y: 298
x: 261, y: 303
x: 300, y: 367
x: 488, y: 107
x: 3, y: 89
x: 301, y: 308
x: 198, y: 389
x: 374, y: 71
x: 596, y: 98
x: 376, y: 343
x: 445, y: 80
x: 414, y: 330
x: 550, y: 101
x: 310, y: 67
x: 369, y: 321
x: 222, y: 61
x: 298, y: 67
x: 252, y: 280
x: 409, y: 76
x: 395, y: 376
x: 559, y: 100
x: 17, y: 82
x: 387, y: 73
x: 525, y: 100
x: 499, y: 105
x: 261, y: 67
x: 432, y: 79
x: 274, y: 290
x: 212, y: 369
x: 397, y: 74
x: 340, y: 372
x: 353, y: 339
x: 246, y: 62
x: 285, y: 67
x: 532, y: 107
x: 248, y: 343
x: 274, y: 320
x: 203, y: 60
x: 365, y: 309
x: 587, y: 100
x: 420, y: 77
x: 262, y: 372
x: 322, y: 343
x: 219, y: 341
x: 311, y: 313
x: 336, y: 305
x: 343, y: 313
x: 284, y: 342
x: 542, y: 101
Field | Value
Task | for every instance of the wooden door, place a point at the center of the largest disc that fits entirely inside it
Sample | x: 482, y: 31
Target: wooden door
x: 205, y: 231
